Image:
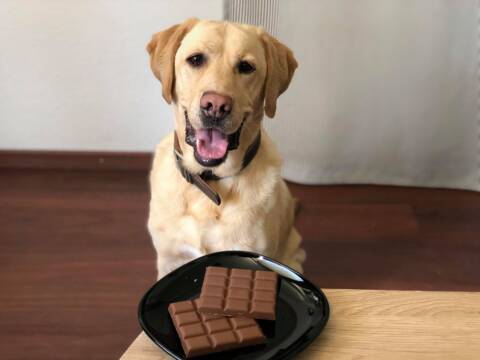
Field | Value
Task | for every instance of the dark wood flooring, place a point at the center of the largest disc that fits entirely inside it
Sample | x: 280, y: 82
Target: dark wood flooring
x: 75, y: 256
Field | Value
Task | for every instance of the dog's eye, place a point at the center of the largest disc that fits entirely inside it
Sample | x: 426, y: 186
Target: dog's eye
x: 244, y: 67
x: 196, y: 60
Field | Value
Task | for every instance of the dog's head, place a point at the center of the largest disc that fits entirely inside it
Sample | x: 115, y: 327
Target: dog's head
x: 221, y: 78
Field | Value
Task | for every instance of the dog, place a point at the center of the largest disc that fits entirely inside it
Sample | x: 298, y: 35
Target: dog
x: 215, y: 181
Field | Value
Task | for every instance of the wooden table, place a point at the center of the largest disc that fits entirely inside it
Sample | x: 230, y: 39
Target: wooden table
x: 379, y: 324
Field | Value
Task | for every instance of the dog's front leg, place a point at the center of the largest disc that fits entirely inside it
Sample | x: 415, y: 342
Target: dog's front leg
x: 176, y: 242
x: 238, y: 234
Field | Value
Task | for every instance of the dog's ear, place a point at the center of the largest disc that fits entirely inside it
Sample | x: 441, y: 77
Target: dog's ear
x: 162, y: 49
x: 281, y: 65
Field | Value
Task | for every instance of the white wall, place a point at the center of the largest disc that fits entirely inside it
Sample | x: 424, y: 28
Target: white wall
x: 387, y: 92
x: 74, y: 75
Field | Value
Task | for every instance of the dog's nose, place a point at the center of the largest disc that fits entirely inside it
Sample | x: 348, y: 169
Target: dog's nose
x: 215, y: 105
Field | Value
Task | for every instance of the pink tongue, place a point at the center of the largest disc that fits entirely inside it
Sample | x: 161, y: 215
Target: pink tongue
x: 211, y: 143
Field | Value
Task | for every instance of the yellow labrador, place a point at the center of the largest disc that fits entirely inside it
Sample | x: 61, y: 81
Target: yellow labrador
x: 215, y: 181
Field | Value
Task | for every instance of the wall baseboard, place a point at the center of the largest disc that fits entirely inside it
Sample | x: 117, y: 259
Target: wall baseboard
x: 74, y: 160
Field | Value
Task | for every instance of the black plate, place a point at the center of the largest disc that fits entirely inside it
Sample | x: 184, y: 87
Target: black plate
x: 301, y: 314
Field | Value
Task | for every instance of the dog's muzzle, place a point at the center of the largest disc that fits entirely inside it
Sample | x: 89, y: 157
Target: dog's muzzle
x: 211, y: 145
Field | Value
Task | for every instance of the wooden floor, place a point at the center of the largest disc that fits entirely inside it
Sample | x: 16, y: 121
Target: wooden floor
x: 75, y: 256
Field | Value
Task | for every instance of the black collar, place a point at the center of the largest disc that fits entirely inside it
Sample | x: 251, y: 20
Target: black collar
x: 200, y: 180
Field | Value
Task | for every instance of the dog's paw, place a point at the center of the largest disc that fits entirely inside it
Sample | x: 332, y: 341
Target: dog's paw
x: 183, y: 254
x: 188, y: 251
x: 296, y: 260
x: 300, y: 255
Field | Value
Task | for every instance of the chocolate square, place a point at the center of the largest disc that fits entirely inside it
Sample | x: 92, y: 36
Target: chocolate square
x: 242, y: 292
x: 202, y: 334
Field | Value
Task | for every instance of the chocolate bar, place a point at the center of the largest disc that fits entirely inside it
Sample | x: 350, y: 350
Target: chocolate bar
x: 202, y: 334
x: 248, y: 293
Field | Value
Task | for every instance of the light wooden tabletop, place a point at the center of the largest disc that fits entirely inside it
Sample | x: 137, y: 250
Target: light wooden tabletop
x: 380, y: 324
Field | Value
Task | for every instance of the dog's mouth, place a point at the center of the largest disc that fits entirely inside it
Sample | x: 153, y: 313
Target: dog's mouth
x: 211, y: 145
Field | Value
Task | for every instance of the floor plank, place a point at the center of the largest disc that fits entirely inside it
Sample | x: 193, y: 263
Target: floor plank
x: 75, y: 259
x: 380, y: 237
x: 75, y: 256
